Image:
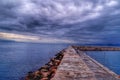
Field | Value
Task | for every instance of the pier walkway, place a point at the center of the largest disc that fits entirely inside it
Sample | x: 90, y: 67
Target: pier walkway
x: 76, y: 65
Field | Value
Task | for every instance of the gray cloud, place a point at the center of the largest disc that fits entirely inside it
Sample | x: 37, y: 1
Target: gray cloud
x: 89, y: 21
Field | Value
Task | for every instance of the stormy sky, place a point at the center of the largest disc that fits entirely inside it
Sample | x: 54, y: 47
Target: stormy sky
x: 83, y: 21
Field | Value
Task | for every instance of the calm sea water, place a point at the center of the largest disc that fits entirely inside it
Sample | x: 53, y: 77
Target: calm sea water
x: 16, y: 59
x: 110, y: 59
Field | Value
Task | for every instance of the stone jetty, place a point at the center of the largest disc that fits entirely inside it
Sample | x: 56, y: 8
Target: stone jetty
x: 96, y: 48
x: 47, y: 71
x: 72, y: 64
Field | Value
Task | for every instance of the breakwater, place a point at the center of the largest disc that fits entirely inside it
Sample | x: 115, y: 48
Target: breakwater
x: 96, y: 48
x: 47, y: 71
x: 73, y: 64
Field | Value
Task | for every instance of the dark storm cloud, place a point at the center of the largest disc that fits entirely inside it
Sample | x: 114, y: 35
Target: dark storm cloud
x: 85, y: 21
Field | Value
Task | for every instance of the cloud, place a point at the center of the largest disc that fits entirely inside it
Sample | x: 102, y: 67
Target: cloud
x: 112, y: 3
x: 67, y: 19
x: 29, y: 38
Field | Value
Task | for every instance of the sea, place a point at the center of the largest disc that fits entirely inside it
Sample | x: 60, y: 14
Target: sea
x: 18, y: 58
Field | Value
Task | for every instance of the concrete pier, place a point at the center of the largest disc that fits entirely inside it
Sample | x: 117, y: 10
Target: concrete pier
x: 76, y: 65
x: 73, y: 64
